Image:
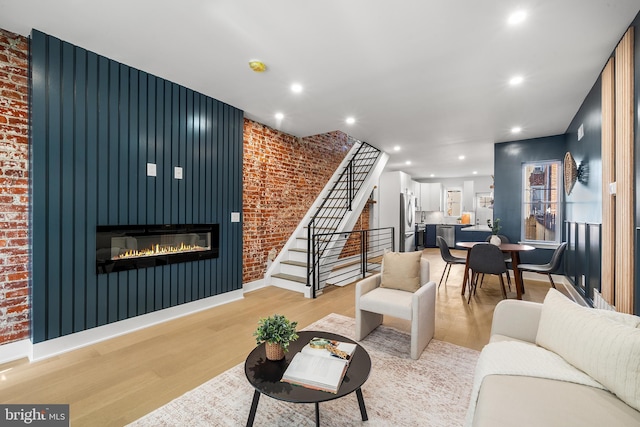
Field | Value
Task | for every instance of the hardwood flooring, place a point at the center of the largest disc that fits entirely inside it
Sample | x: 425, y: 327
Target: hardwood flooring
x: 117, y: 381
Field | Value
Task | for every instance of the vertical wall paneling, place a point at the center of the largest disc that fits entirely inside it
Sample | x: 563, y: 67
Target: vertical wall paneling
x: 608, y: 176
x: 582, y: 257
x: 39, y: 196
x: 80, y: 190
x: 625, y: 174
x: 96, y: 123
x: 594, y: 254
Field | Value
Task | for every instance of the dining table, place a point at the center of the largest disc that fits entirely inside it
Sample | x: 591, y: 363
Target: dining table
x: 513, y: 249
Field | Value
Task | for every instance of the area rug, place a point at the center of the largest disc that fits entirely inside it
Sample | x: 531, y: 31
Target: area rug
x: 431, y: 391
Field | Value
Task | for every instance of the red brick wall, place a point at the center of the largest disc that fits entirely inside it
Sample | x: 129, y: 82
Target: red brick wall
x: 282, y: 176
x: 14, y: 187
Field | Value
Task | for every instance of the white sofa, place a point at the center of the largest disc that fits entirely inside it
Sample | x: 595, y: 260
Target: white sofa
x: 558, y: 364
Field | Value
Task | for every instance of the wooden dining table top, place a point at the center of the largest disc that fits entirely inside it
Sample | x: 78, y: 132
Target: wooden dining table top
x: 513, y: 248
x: 505, y: 247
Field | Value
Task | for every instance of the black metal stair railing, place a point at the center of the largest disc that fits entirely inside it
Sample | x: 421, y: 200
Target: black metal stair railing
x: 336, y: 204
x: 357, y: 254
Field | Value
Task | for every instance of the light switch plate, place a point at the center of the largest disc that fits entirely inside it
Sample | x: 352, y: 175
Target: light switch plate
x: 235, y: 216
x: 177, y: 172
x: 580, y: 132
x: 151, y: 169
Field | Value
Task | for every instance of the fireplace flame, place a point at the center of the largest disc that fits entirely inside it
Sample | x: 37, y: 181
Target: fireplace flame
x: 157, y: 249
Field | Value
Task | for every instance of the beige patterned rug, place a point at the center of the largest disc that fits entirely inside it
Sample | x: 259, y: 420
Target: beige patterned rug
x: 431, y: 391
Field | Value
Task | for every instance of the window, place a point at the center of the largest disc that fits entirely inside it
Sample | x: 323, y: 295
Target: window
x: 541, y: 201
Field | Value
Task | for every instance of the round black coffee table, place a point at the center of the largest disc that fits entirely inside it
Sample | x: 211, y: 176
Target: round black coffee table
x: 264, y: 375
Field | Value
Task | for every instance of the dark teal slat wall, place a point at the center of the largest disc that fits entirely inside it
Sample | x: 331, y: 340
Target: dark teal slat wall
x: 96, y: 123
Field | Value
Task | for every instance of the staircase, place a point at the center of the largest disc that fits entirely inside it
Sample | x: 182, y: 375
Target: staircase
x: 336, y: 210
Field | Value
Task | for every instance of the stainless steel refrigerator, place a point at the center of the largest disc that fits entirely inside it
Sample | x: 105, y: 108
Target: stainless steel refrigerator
x: 407, y: 222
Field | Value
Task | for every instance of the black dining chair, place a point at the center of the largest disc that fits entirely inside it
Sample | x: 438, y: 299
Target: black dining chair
x: 486, y: 258
x: 448, y: 258
x: 507, y: 258
x: 549, y: 267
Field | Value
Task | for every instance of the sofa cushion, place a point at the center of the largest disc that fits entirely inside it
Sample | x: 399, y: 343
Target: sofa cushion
x: 401, y: 270
x: 513, y: 400
x: 607, y: 350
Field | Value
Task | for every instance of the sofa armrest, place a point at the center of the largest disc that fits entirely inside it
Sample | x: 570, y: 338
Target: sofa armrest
x: 516, y: 319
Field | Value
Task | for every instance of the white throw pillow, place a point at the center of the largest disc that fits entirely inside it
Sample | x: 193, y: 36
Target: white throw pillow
x: 607, y: 350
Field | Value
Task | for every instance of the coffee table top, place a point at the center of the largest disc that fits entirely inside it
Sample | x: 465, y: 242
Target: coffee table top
x: 264, y: 375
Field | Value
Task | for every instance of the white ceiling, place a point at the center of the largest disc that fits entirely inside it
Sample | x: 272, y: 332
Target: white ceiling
x: 430, y: 76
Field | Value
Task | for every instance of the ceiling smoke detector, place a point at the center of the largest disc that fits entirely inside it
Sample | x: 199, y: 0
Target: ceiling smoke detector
x: 257, y: 66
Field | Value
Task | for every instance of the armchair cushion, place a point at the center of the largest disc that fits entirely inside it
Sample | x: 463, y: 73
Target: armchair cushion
x: 401, y: 270
x: 388, y: 301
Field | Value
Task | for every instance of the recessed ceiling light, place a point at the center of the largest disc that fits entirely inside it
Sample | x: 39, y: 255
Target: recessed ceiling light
x: 432, y: 175
x: 296, y: 88
x: 408, y: 162
x: 516, y: 129
x: 350, y: 120
x: 461, y: 157
x: 517, y: 17
x: 475, y: 172
x: 396, y: 148
x: 516, y: 80
x: 279, y: 116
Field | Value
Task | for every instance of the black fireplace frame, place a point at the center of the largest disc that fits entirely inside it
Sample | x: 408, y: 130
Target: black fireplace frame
x: 104, y: 234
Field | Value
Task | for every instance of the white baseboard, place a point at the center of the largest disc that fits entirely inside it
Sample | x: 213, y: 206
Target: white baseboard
x: 15, y: 350
x: 559, y: 280
x: 43, y: 350
x: 256, y: 284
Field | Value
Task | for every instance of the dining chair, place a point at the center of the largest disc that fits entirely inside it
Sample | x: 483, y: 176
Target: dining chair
x: 507, y: 258
x: 485, y: 258
x: 447, y: 257
x: 549, y: 267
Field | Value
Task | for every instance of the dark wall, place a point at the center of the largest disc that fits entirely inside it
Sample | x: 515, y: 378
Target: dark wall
x: 584, y: 204
x: 96, y: 123
x: 583, y: 207
x: 507, y: 192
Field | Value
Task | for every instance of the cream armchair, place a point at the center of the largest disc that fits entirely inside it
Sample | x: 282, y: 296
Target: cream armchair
x: 374, y: 301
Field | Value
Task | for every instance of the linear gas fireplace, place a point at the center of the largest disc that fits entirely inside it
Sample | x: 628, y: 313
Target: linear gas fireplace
x: 129, y: 247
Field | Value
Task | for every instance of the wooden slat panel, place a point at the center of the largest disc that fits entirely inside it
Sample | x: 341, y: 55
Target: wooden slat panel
x: 625, y: 197
x: 608, y: 176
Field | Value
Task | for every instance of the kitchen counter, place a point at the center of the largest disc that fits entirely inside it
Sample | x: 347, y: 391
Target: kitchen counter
x: 477, y: 228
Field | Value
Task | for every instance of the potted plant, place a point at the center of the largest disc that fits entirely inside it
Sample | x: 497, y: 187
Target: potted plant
x: 495, y: 229
x: 276, y: 332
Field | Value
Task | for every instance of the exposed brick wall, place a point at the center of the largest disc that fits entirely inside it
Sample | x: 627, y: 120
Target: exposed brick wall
x: 14, y: 187
x: 282, y: 176
x: 352, y: 246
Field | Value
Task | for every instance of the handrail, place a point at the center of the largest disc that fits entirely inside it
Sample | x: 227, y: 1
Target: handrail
x: 373, y: 244
x: 359, y: 164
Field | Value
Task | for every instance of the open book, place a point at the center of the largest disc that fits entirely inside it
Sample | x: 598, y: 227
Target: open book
x: 344, y: 350
x: 318, y: 368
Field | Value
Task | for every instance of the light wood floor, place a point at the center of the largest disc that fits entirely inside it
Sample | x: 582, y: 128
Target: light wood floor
x: 117, y: 381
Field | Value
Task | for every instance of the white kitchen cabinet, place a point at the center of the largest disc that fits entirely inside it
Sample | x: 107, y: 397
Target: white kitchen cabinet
x: 431, y: 196
x: 467, y: 196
